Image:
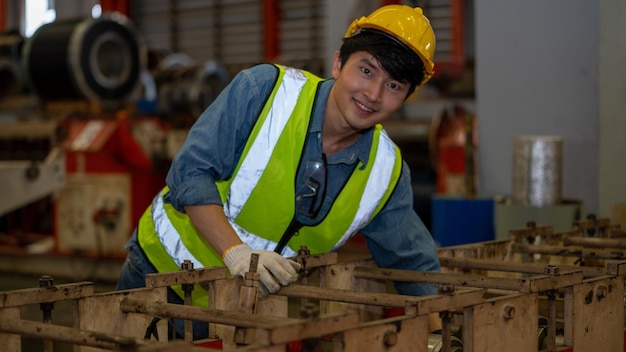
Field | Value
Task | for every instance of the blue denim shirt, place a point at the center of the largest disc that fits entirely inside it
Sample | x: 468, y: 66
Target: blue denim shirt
x: 396, y: 237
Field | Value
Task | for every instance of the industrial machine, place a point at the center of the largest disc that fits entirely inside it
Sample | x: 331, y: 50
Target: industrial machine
x: 87, y: 133
x: 93, y: 177
x: 70, y: 70
x: 111, y: 179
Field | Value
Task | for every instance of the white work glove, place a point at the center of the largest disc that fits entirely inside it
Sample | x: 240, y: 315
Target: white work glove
x: 273, y: 269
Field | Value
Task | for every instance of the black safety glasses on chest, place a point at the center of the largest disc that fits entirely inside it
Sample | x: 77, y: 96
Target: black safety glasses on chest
x: 310, y: 196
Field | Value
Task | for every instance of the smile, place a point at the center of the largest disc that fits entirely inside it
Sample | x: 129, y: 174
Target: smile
x: 363, y: 107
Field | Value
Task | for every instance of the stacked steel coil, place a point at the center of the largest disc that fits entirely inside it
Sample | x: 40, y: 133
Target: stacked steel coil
x: 190, y: 88
x: 98, y: 59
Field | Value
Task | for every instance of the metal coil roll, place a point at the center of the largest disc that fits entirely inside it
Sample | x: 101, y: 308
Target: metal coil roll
x: 98, y: 59
x: 537, y: 168
x: 190, y: 89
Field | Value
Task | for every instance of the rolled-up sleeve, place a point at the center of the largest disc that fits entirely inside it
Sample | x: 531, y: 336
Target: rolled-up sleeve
x: 398, y: 239
x: 215, y: 142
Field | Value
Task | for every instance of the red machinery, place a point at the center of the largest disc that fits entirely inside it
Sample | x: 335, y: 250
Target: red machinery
x: 113, y: 172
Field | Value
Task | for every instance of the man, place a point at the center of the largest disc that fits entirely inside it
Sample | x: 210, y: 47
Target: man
x: 283, y: 158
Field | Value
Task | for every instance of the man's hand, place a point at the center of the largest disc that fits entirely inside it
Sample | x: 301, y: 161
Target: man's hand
x: 273, y: 269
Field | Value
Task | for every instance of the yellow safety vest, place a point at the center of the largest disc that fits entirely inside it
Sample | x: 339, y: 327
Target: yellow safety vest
x: 259, y: 200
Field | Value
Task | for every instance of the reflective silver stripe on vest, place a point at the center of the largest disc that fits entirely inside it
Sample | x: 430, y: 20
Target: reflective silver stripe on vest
x: 175, y: 247
x: 252, y: 167
x: 258, y: 243
x: 259, y: 154
x: 377, y: 184
x: 168, y: 235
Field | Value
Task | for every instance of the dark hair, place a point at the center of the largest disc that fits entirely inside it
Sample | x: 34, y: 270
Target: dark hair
x: 400, y: 62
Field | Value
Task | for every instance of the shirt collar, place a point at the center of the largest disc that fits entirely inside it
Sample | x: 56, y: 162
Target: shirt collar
x: 359, y: 150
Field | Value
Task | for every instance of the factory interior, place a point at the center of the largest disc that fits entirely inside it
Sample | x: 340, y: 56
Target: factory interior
x: 514, y: 149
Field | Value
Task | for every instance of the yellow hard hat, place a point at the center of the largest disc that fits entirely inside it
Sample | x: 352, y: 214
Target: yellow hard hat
x: 406, y: 24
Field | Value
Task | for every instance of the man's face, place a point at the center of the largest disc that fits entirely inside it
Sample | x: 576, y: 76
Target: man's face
x: 364, y: 93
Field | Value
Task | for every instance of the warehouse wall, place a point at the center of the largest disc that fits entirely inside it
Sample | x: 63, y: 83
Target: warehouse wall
x: 338, y: 16
x: 612, y: 105
x: 537, y: 73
